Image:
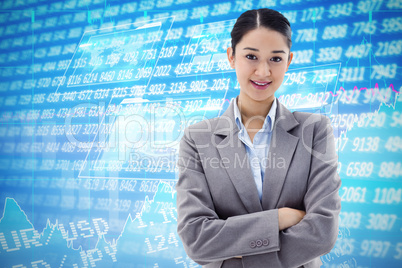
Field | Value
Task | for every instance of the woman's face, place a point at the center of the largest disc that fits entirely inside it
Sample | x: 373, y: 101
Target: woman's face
x: 261, y: 60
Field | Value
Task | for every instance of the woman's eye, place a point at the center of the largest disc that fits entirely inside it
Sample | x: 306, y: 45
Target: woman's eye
x: 251, y: 57
x: 276, y: 59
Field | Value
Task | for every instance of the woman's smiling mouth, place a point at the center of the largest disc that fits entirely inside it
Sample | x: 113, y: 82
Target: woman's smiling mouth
x: 260, y: 84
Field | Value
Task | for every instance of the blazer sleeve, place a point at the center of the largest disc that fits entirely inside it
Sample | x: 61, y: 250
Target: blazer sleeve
x: 316, y: 234
x: 205, y: 237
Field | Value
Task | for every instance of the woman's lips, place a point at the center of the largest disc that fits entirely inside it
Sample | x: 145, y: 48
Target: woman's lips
x: 260, y: 84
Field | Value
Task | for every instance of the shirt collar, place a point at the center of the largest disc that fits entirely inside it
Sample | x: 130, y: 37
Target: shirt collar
x: 268, y: 122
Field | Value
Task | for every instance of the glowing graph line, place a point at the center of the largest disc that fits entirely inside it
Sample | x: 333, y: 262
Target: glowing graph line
x: 15, y: 225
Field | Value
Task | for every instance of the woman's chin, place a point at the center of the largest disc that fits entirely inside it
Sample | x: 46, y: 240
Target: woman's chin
x: 262, y: 97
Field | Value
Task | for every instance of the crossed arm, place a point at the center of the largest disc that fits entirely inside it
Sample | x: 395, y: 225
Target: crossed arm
x: 287, y: 217
x: 295, y: 237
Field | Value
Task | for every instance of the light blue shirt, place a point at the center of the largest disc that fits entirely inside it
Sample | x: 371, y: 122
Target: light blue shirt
x: 258, y: 150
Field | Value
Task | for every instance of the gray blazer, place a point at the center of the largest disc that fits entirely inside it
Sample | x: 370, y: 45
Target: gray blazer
x: 220, y: 215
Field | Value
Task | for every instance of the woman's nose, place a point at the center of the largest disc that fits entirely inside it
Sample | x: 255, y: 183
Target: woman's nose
x: 263, y: 70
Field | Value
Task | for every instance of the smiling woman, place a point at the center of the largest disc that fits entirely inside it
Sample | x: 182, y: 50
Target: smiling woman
x: 258, y: 186
x: 262, y: 55
x: 262, y: 58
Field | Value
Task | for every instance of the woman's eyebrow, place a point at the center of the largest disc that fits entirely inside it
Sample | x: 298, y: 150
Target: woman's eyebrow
x: 273, y: 51
x: 278, y: 51
x: 250, y: 48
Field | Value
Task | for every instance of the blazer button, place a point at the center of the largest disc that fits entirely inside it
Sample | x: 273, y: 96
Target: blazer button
x: 252, y: 244
x: 258, y: 243
x: 265, y: 242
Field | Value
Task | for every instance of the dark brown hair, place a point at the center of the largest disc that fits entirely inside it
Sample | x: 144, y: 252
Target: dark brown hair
x: 264, y: 17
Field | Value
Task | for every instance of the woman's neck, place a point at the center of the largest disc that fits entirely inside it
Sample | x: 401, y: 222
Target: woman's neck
x: 253, y: 114
x: 254, y: 109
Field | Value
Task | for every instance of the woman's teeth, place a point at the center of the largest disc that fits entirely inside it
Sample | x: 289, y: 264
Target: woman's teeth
x: 259, y: 83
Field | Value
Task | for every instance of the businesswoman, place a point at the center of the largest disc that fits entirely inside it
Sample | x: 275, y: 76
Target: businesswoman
x: 258, y: 186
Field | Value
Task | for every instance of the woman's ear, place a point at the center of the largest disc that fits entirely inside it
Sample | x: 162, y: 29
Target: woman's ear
x: 290, y: 60
x: 231, y: 58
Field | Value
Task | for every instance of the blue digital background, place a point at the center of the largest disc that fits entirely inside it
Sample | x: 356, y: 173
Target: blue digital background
x: 95, y: 95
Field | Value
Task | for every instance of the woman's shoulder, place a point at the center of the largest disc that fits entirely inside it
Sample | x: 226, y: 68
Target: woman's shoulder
x: 204, y: 124
x: 317, y: 120
x: 305, y: 116
x: 202, y: 128
x: 302, y: 117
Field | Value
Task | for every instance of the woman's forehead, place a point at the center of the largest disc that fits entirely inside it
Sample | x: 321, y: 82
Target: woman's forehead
x: 263, y: 39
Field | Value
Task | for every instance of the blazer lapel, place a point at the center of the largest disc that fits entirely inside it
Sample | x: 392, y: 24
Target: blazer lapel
x: 282, y: 148
x: 234, y: 157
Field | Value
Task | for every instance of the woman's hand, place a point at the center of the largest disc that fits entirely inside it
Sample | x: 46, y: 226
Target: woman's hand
x: 289, y: 216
